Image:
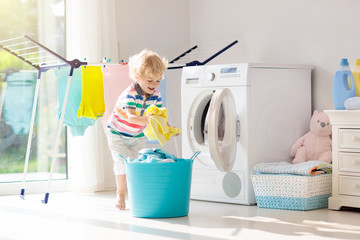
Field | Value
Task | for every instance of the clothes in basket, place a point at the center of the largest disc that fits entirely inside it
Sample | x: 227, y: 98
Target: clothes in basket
x: 154, y: 155
x: 292, y: 187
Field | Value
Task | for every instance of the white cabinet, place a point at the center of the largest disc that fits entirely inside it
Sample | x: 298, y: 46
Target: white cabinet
x: 346, y: 158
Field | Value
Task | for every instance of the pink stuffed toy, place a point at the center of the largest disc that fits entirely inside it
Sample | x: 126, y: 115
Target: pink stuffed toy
x: 316, y: 144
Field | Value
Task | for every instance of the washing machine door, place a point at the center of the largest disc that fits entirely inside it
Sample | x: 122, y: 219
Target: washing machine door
x: 213, y: 128
x: 222, y: 129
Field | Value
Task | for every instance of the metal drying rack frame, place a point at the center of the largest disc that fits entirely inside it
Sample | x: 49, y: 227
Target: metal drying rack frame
x: 197, y: 63
x: 43, y: 59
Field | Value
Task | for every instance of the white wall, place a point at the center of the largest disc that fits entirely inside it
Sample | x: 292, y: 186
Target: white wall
x: 316, y: 32
x: 159, y: 25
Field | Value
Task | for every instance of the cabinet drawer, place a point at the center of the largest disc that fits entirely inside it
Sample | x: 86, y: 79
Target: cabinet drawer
x: 349, y: 162
x: 349, y: 138
x: 349, y: 185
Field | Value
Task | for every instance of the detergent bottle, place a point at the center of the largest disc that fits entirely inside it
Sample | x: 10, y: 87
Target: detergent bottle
x: 342, y: 87
x: 356, y: 75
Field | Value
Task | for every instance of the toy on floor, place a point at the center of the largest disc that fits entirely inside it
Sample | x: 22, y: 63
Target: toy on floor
x: 316, y: 144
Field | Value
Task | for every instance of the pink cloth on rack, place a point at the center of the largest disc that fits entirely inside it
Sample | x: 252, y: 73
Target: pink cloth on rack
x: 116, y: 80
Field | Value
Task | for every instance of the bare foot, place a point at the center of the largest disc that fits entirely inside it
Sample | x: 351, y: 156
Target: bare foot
x: 120, y: 201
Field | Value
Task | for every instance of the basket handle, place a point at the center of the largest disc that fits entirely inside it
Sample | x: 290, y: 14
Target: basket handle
x: 195, y: 155
x: 123, y: 158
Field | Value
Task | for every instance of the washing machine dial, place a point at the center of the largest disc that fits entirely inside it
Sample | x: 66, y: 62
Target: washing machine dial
x: 211, y: 76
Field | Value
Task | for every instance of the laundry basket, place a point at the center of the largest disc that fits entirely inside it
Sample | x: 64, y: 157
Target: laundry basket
x: 159, y: 190
x: 292, y: 192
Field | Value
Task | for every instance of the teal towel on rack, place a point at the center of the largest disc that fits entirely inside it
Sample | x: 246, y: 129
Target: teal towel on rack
x: 19, y: 100
x: 77, y: 125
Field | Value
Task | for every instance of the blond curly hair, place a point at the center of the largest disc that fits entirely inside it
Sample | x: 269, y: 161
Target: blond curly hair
x: 147, y: 64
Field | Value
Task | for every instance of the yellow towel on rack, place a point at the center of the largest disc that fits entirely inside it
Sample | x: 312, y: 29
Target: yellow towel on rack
x: 158, y: 128
x: 92, y: 100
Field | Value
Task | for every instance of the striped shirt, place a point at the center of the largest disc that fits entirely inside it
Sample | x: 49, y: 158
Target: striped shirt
x: 132, y: 98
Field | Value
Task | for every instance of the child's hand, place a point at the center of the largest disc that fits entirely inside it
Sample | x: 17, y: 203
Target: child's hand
x: 175, y: 134
x: 148, y: 115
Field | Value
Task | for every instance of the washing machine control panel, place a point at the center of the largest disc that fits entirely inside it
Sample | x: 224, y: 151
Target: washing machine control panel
x: 225, y: 75
x: 210, y: 76
x: 216, y: 75
x: 229, y: 72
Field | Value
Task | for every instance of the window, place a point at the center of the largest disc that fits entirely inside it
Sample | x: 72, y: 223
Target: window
x: 17, y: 89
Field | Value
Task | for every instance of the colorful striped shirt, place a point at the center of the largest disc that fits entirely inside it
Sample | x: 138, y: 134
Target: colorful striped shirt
x: 132, y: 98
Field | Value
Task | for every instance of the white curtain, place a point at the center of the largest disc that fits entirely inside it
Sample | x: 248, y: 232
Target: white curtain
x: 91, y: 34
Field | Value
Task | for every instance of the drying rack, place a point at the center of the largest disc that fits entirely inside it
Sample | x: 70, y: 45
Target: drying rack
x: 43, y: 59
x: 197, y: 63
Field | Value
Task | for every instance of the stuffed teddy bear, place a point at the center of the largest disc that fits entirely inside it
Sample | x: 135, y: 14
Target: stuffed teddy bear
x: 316, y: 144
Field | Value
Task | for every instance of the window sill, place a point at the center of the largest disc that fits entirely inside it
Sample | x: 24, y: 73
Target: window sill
x: 13, y: 188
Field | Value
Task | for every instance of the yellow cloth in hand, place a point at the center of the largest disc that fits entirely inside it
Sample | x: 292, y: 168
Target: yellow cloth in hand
x: 158, y: 128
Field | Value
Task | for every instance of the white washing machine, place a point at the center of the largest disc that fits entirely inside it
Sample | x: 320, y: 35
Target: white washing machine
x: 238, y: 115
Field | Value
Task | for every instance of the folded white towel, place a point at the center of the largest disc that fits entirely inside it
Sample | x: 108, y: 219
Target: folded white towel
x: 308, y: 168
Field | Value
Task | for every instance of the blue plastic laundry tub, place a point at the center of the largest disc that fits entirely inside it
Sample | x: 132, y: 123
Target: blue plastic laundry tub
x: 159, y: 190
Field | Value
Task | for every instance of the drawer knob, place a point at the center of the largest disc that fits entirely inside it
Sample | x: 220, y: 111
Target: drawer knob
x: 355, y: 186
x: 356, y: 139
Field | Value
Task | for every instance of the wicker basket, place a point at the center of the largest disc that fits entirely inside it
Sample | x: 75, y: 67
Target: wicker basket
x: 293, y: 192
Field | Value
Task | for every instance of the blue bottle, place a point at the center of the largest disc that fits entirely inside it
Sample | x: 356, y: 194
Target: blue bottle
x: 343, y: 85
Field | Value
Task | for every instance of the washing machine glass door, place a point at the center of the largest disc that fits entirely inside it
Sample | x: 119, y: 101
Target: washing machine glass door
x: 222, y: 129
x: 197, y: 129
